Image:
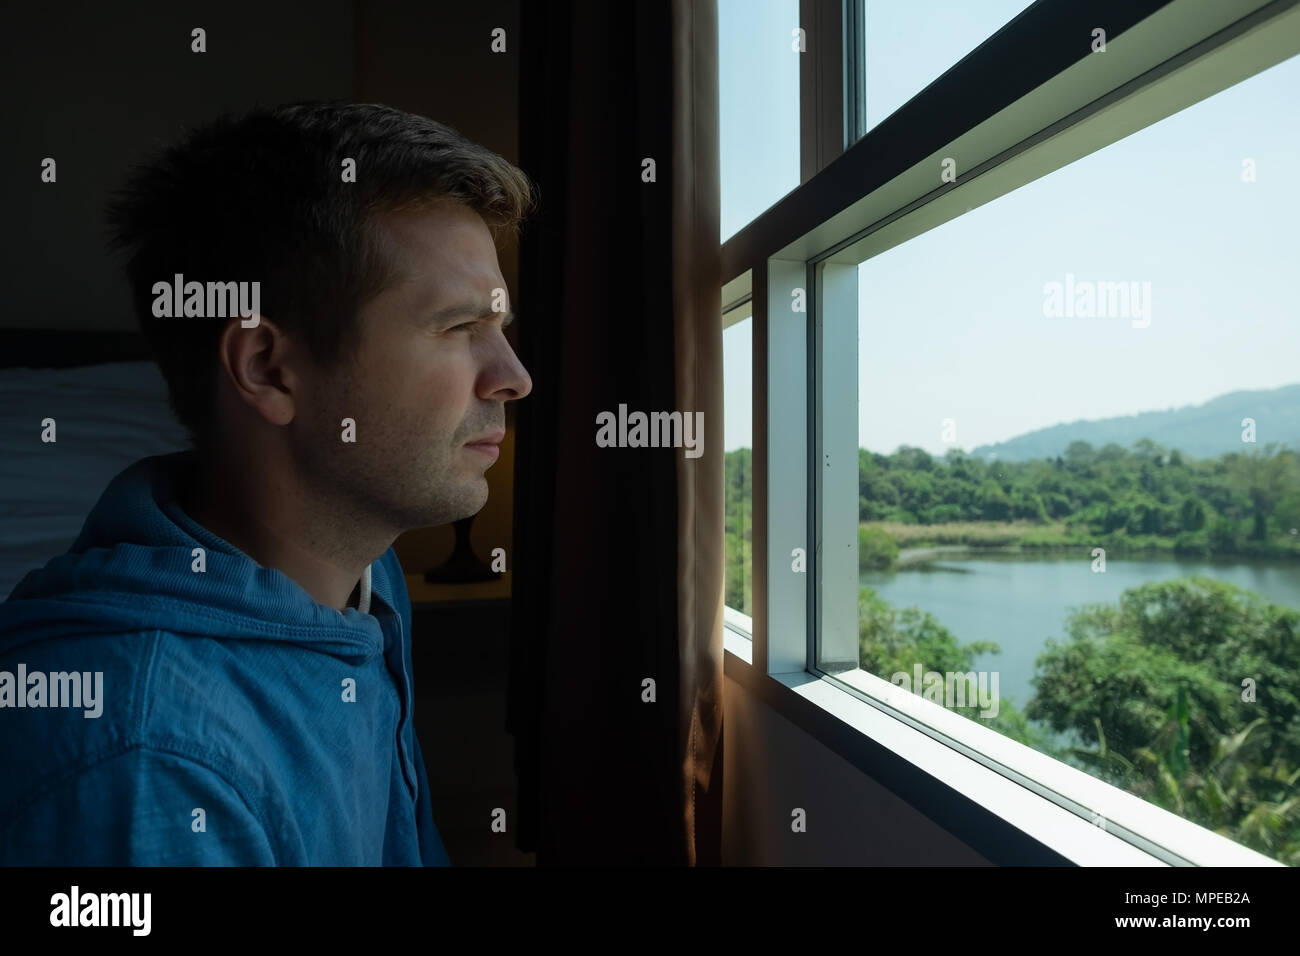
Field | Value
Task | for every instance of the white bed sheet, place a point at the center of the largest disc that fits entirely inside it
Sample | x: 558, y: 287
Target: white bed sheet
x: 108, y: 416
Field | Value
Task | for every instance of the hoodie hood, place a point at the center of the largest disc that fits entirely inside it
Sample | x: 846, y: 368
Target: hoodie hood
x: 133, y: 568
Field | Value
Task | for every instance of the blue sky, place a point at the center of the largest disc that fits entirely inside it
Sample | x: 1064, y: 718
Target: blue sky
x: 952, y: 322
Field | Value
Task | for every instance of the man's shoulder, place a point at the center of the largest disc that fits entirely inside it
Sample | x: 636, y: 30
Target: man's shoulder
x: 138, y: 805
x: 69, y: 703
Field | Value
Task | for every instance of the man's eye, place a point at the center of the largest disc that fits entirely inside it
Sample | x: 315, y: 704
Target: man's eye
x: 463, y: 325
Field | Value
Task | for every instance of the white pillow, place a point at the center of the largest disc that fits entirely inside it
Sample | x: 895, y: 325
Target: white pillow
x: 107, y: 416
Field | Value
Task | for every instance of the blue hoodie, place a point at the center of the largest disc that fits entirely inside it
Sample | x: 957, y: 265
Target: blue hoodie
x: 240, y: 722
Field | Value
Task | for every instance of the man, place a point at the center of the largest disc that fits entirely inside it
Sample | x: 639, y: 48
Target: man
x: 237, y: 608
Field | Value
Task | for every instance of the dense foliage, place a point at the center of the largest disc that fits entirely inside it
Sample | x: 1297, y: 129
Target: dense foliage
x: 739, y: 524
x: 1240, y: 503
x: 1186, y: 694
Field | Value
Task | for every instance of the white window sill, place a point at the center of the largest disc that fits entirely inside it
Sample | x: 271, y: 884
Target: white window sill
x: 1157, y: 832
x: 736, y: 631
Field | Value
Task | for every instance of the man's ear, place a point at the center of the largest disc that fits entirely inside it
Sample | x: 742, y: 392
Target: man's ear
x: 257, y: 363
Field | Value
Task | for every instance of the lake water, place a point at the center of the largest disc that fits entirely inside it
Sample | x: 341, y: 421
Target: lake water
x: 1020, y: 601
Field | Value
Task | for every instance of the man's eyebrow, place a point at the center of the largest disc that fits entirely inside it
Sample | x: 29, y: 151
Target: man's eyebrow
x: 470, y: 311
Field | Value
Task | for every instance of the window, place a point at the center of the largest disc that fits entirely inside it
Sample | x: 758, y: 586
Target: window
x: 938, y: 308
x: 758, y: 105
x: 910, y: 43
x: 1084, y: 411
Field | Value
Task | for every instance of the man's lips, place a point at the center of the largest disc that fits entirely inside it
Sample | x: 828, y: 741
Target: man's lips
x: 487, y: 444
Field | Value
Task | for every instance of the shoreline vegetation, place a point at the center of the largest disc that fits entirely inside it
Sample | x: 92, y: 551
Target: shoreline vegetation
x: 921, y: 544
x: 889, y: 545
x: 1143, y: 501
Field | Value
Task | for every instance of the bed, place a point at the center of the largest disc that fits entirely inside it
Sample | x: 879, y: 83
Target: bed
x: 110, y: 404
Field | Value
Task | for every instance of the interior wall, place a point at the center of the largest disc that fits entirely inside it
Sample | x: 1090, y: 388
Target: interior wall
x: 93, y: 85
x: 772, y: 766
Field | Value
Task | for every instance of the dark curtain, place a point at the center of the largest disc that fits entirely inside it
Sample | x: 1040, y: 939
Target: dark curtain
x: 618, y: 552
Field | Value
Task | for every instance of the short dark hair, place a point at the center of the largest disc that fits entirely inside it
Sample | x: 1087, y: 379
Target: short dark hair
x: 262, y: 197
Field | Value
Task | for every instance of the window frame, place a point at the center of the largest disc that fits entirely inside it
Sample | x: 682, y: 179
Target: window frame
x: 1029, y: 100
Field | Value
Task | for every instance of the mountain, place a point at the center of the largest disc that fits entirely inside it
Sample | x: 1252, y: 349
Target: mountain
x: 1201, y: 431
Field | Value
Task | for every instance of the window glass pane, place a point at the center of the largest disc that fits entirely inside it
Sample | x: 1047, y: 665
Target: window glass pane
x: 758, y: 106
x: 738, y: 397
x: 911, y: 43
x: 1079, y: 418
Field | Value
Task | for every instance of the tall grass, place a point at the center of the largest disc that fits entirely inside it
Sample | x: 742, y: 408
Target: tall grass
x: 976, y: 534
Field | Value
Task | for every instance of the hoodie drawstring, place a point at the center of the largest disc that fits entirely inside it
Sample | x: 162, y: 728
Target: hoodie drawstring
x: 363, y: 601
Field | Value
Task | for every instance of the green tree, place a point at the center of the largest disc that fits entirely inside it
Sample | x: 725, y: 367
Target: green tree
x: 1191, y: 515
x: 1154, y: 689
x: 1223, y: 536
x: 1264, y: 477
x: 1079, y: 455
x: 876, y: 549
x: 1026, y: 505
x: 994, y: 504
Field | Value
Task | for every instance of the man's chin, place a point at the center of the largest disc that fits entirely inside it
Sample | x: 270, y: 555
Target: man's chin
x: 471, y: 503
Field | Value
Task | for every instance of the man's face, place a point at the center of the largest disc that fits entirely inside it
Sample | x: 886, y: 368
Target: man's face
x: 432, y: 373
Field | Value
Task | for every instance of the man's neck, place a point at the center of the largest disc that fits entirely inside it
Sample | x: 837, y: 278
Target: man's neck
x: 277, y: 530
